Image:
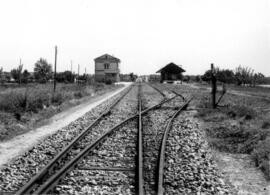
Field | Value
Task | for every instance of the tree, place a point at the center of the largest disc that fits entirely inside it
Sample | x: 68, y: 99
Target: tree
x: 225, y: 76
x: 259, y: 78
x: 244, y: 75
x: 66, y: 76
x: 25, y: 76
x: 1, y: 75
x: 198, y: 78
x: 42, y: 70
x: 16, y: 73
x: 207, y: 76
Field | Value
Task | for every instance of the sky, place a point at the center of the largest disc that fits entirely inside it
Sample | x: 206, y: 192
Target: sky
x: 145, y: 34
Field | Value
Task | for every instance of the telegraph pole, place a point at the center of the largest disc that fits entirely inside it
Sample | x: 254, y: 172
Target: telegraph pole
x: 78, y: 73
x: 55, y: 60
x: 71, y: 66
x: 214, y: 86
x: 20, y: 71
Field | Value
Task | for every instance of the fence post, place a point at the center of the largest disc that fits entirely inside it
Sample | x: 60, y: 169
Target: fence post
x: 214, y: 86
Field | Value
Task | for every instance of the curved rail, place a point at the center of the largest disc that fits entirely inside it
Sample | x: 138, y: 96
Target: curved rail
x: 160, y: 172
x: 52, y: 181
x: 158, y: 90
x: 45, y: 172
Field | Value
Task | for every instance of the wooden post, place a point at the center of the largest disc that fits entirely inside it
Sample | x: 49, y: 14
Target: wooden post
x: 214, y: 86
x: 55, y: 60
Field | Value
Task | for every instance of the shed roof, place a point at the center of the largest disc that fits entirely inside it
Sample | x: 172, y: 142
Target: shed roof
x: 171, y: 68
x: 107, y: 57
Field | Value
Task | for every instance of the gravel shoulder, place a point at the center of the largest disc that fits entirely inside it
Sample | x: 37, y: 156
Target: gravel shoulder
x: 18, y: 145
x: 240, y: 171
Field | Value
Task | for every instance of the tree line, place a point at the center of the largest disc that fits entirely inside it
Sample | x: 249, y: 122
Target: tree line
x: 42, y: 73
x: 240, y: 76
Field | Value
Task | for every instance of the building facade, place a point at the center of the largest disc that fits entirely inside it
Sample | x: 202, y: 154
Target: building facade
x: 107, y: 68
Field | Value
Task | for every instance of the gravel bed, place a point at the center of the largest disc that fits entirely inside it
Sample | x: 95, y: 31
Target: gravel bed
x: 153, y: 128
x: 189, y: 168
x: 24, y: 167
x: 118, y: 151
x: 150, y: 96
x: 154, y: 124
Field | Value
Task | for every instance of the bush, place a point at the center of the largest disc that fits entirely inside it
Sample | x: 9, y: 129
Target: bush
x: 57, y: 98
x: 38, y: 100
x: 266, y: 125
x: 241, y: 111
x: 261, y: 156
x: 13, y: 101
x: 108, y: 82
x: 78, y: 95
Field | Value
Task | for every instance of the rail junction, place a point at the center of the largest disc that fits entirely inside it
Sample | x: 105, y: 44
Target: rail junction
x: 117, y: 144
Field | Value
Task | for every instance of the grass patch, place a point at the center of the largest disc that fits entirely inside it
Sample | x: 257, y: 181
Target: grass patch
x: 239, y: 127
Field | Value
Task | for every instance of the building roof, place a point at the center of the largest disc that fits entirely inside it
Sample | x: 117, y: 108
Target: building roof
x: 171, y: 68
x: 107, y: 57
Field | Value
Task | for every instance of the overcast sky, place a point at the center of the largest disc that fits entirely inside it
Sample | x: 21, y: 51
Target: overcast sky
x: 144, y: 34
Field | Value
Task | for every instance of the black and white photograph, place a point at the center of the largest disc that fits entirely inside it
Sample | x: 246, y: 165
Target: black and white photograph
x: 135, y: 97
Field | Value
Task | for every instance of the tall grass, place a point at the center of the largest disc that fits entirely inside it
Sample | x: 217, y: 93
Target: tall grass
x: 37, y: 97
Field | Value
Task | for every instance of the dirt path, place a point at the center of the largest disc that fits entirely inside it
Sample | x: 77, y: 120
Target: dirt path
x: 19, y: 144
x: 239, y: 170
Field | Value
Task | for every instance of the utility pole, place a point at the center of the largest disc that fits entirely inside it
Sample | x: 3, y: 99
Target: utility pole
x: 78, y: 73
x: 85, y: 77
x: 55, y: 60
x: 71, y: 66
x: 20, y: 71
x: 214, y: 86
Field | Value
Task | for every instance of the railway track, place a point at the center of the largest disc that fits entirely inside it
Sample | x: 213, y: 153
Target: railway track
x: 156, y: 126
x: 126, y: 157
x: 101, y: 123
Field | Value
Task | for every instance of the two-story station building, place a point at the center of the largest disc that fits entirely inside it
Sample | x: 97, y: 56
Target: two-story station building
x: 107, y: 68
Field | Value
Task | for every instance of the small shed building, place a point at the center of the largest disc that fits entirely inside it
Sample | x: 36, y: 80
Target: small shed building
x: 170, y: 73
x: 107, y: 68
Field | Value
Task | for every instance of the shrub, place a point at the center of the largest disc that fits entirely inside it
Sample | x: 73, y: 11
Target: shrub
x: 266, y: 125
x: 57, y: 98
x: 13, y: 101
x: 261, y: 155
x: 241, y: 111
x: 108, y: 82
x: 38, y: 100
x: 78, y: 94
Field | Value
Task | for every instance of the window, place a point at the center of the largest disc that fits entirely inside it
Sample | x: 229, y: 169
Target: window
x: 106, y: 66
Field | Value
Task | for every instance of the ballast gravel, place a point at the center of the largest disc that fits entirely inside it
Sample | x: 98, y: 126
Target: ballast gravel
x: 189, y: 168
x: 118, y: 151
x: 24, y: 167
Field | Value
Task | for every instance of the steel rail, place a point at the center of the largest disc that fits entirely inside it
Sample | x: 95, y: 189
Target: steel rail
x: 45, y: 172
x: 160, y: 169
x: 176, y: 93
x: 140, y: 181
x: 52, y: 181
x: 158, y: 90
